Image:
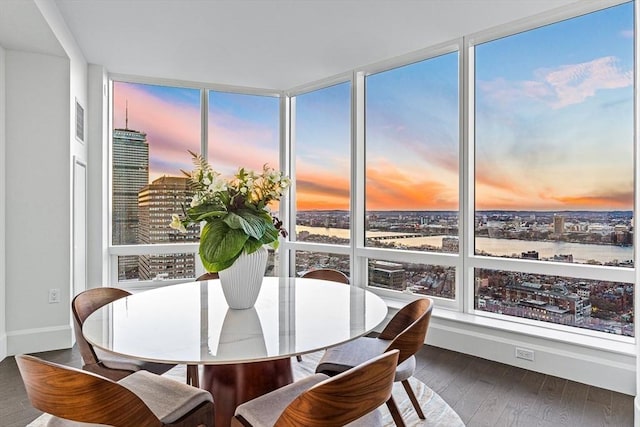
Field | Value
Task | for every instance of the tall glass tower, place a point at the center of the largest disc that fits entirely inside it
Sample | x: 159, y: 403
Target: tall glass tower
x: 130, y: 175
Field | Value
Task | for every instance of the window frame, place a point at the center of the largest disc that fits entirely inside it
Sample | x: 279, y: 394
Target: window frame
x: 465, y: 262
x: 114, y: 251
x: 473, y: 261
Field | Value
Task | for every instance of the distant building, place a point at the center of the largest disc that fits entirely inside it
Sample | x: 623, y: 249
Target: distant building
x: 450, y: 244
x: 563, y: 258
x: 130, y: 174
x: 558, y: 224
x: 388, y: 275
x: 551, y: 303
x: 156, y: 203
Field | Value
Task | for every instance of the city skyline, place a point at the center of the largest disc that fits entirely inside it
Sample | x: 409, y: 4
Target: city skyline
x: 563, y: 115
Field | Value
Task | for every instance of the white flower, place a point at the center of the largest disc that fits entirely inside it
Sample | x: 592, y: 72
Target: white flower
x: 177, y: 224
x: 196, y: 200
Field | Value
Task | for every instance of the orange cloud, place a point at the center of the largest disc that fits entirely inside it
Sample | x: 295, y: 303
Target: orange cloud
x: 389, y: 188
x: 322, y: 189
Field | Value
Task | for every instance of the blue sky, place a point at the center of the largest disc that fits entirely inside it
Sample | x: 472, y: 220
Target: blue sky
x: 553, y: 125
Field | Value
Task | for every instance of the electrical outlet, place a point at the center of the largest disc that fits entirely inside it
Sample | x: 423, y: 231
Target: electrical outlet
x: 54, y: 295
x: 524, y: 353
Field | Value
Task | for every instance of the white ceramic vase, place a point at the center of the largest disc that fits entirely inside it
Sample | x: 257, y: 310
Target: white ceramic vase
x: 242, y: 281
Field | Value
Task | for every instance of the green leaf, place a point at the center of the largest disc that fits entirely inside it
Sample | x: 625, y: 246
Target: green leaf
x: 270, y: 235
x: 202, y: 212
x: 220, y: 245
x: 252, y: 223
x: 252, y: 245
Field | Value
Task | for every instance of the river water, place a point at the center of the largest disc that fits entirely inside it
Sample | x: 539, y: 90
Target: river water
x: 582, y: 253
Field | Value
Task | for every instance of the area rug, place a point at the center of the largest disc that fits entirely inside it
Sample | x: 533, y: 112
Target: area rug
x: 437, y: 411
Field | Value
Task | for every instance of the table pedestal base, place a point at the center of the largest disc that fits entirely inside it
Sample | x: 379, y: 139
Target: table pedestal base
x: 234, y: 384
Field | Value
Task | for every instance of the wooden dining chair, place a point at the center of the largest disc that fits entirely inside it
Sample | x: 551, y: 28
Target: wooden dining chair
x: 193, y: 371
x: 323, y: 401
x: 406, y: 332
x: 327, y: 274
x: 141, y: 399
x: 207, y: 276
x: 94, y: 359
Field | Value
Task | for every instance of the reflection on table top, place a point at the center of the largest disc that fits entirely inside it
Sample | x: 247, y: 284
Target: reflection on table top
x: 191, y: 322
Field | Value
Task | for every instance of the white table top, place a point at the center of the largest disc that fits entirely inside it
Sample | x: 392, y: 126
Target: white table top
x: 191, y: 322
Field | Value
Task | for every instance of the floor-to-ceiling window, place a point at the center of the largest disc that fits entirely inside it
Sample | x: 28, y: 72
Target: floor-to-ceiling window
x: 494, y: 173
x: 412, y: 176
x: 553, y: 184
x: 155, y: 128
x: 321, y: 140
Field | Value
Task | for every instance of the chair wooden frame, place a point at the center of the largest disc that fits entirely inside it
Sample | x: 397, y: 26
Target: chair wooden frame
x: 343, y: 398
x: 407, y: 331
x: 83, y: 396
x: 327, y: 274
x: 82, y: 306
x: 193, y: 371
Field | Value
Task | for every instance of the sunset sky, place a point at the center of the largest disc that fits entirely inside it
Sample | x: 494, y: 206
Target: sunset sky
x: 553, y: 131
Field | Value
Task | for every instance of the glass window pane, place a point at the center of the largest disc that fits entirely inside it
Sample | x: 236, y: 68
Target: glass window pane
x: 154, y: 127
x: 412, y: 154
x: 554, y: 141
x: 590, y: 304
x: 244, y: 131
x: 322, y: 145
x: 171, y: 266
x: 306, y: 261
x: 422, y: 279
x: 156, y: 267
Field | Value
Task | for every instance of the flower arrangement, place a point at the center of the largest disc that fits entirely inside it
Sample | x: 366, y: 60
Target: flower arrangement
x: 235, y: 212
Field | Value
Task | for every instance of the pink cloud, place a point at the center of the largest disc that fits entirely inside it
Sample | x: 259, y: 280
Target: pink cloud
x: 173, y: 128
x: 562, y: 86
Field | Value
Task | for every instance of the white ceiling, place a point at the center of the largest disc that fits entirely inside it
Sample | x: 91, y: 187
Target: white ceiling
x: 271, y: 44
x: 22, y: 27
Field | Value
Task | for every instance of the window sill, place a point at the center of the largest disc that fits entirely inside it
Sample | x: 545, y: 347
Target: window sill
x: 615, y: 344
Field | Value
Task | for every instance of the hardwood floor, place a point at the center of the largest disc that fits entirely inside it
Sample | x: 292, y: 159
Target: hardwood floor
x: 482, y: 392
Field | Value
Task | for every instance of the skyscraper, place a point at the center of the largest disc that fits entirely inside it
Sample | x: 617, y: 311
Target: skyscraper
x: 558, y: 224
x: 156, y: 203
x: 130, y: 174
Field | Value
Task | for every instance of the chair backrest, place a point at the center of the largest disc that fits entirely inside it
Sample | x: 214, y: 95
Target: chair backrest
x: 82, y: 306
x: 82, y: 396
x: 407, y: 330
x: 208, y: 276
x: 327, y: 274
x: 344, y: 398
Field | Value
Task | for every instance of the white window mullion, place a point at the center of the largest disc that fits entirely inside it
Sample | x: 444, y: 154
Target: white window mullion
x: 287, y: 209
x: 289, y: 157
x: 358, y: 176
x: 467, y: 177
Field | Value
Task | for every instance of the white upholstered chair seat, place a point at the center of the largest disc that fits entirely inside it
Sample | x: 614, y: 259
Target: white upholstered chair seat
x: 113, y: 361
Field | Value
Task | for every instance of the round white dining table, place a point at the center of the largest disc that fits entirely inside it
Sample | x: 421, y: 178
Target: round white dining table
x: 245, y: 353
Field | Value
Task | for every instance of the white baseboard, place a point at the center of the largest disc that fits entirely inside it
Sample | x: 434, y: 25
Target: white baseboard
x: 602, y: 368
x: 3, y: 347
x: 39, y: 339
x: 604, y: 362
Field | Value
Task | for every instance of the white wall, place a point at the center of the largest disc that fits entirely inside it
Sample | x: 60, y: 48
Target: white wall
x: 37, y: 201
x: 3, y: 324
x: 40, y: 148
